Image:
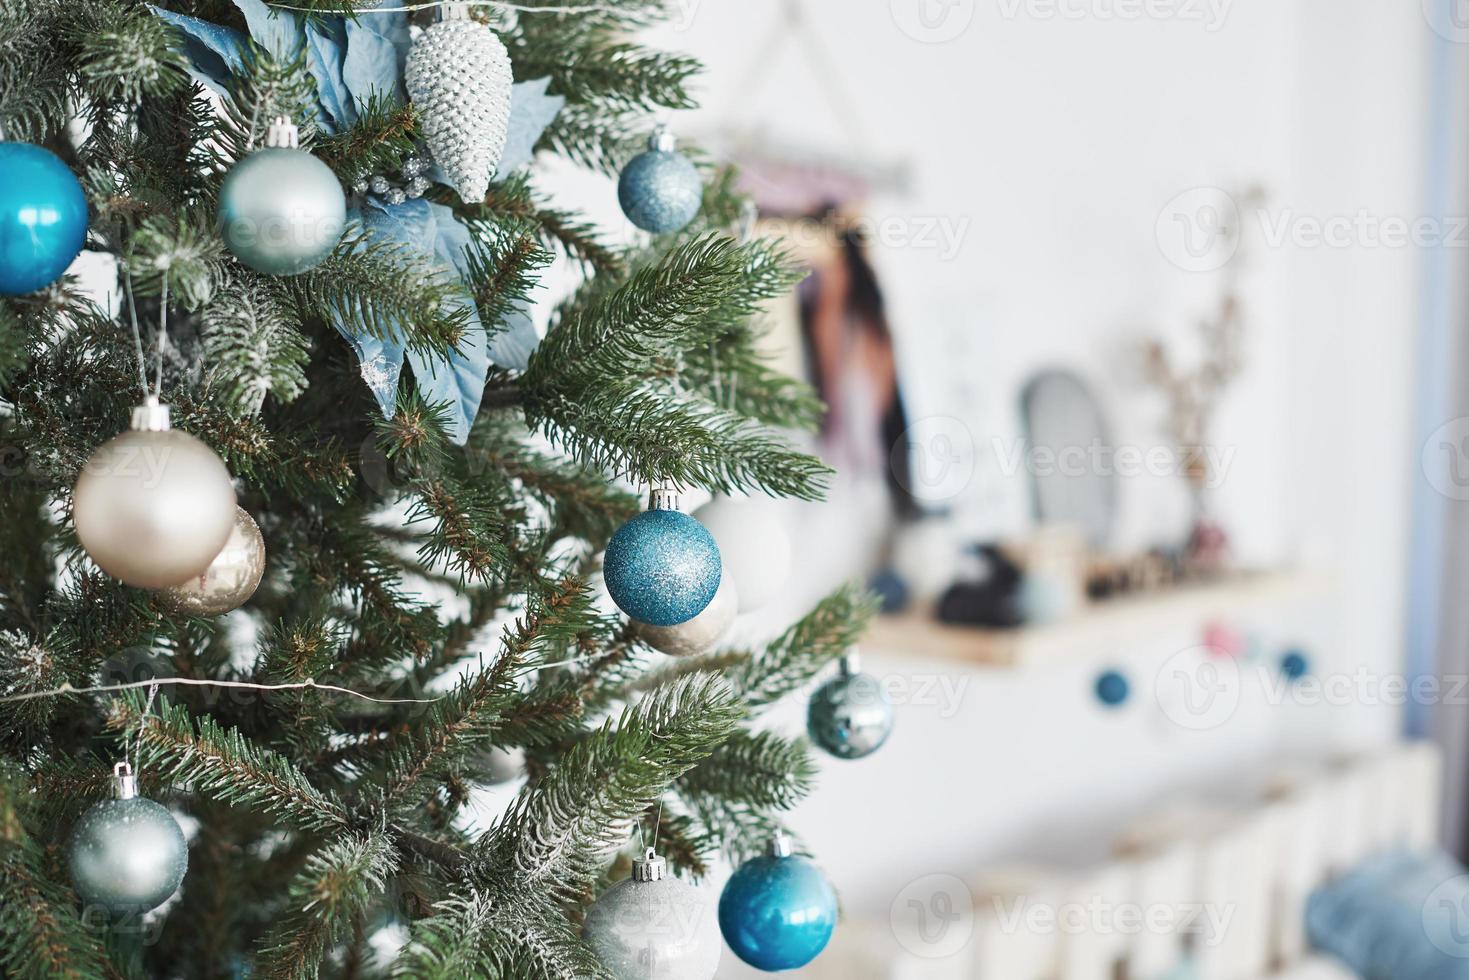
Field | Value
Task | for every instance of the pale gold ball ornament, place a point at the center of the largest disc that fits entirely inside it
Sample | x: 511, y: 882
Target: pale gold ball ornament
x: 230, y: 580
x: 154, y: 506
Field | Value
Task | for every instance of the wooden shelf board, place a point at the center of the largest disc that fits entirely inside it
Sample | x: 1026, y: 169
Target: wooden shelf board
x: 917, y: 633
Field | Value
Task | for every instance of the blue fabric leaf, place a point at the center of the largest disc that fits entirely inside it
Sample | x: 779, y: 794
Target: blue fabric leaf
x: 380, y: 353
x: 531, y: 111
x: 215, y: 52
x: 516, y: 340
x: 326, y: 44
x: 377, y: 47
x: 277, y: 31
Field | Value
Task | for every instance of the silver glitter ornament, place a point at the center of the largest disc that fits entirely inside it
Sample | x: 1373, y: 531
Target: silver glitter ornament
x: 458, y: 75
x: 659, y: 189
x: 127, y: 854
x: 697, y: 635
x: 379, y: 185
x: 153, y: 506
x: 850, y: 716
x: 230, y: 580
x: 654, y: 927
x: 281, y: 210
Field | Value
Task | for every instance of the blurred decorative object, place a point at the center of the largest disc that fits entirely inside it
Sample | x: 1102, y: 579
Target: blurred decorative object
x: 1063, y: 419
x: 659, y: 189
x: 926, y: 556
x: 230, y: 580
x: 891, y: 589
x: 1223, y: 639
x: 991, y: 599
x: 850, y: 716
x: 1194, y: 397
x: 1294, y: 665
x: 700, y: 634
x: 1053, y: 558
x: 778, y: 911
x: 499, y: 765
x: 1115, y: 576
x: 1113, y: 688
x: 754, y: 547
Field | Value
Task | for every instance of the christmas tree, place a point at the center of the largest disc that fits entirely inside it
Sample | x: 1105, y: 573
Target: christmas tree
x: 431, y: 598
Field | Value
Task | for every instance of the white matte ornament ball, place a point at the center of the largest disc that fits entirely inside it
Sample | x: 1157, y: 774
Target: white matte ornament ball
x: 700, y: 634
x: 153, y: 508
x: 501, y: 764
x: 654, y: 927
x: 753, y: 544
x: 230, y: 580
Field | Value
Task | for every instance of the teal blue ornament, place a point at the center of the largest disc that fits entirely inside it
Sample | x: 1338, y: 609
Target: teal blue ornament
x: 662, y: 567
x: 281, y: 210
x: 778, y: 911
x: 850, y: 716
x: 1294, y: 665
x: 1113, y: 689
x: 660, y: 190
x: 127, y: 854
x: 43, y: 218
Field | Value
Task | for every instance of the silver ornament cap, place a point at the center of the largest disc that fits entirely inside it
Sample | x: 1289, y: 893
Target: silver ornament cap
x: 649, y: 867
x: 459, y: 76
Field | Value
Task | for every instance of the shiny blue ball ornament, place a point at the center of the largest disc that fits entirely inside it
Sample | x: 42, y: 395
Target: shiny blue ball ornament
x: 1294, y: 665
x: 662, y: 567
x: 43, y: 218
x: 660, y: 190
x: 1113, y: 689
x: 778, y: 911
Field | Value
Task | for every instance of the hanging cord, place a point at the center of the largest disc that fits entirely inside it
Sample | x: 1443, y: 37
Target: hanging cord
x: 162, y: 338
x: 127, y: 280
x: 137, y: 762
x: 196, y: 682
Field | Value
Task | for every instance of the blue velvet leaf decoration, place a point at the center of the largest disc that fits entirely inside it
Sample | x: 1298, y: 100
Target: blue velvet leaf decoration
x: 277, y: 31
x: 377, y: 47
x: 215, y: 52
x: 515, y: 341
x: 531, y: 111
x: 326, y: 45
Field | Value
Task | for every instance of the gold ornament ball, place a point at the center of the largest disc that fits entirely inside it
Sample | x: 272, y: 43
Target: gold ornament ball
x: 230, y: 580
x: 153, y: 508
x: 697, y: 635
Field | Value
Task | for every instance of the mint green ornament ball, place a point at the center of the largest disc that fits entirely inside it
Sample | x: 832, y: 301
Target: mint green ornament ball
x: 281, y: 211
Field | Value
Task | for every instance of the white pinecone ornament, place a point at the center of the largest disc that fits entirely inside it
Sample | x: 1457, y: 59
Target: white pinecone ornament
x: 458, y: 75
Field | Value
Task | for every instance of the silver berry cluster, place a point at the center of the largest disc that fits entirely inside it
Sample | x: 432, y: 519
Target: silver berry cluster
x: 412, y: 182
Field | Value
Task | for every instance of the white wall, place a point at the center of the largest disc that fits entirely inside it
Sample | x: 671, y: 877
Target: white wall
x: 1055, y: 144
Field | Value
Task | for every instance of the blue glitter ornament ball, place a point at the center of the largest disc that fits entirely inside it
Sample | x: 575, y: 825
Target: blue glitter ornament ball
x: 1294, y: 665
x: 662, y: 567
x: 43, y: 218
x: 660, y: 190
x: 778, y: 911
x: 1113, y: 689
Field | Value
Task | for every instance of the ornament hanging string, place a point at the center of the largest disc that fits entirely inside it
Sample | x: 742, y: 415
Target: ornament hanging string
x: 127, y: 281
x: 137, y: 756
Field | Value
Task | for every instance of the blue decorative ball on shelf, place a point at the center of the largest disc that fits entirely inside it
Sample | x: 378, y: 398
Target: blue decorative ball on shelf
x: 43, y: 218
x: 1113, y: 689
x: 659, y: 189
x: 662, y: 567
x: 1294, y: 665
x: 778, y: 911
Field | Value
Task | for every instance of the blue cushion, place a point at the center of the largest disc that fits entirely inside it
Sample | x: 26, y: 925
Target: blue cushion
x: 1399, y: 916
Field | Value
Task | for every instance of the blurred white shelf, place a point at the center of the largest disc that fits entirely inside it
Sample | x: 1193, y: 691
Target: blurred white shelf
x: 1098, y: 625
